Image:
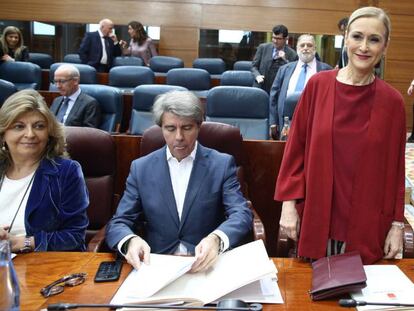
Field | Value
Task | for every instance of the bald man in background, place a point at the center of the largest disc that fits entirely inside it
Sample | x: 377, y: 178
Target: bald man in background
x: 99, y: 48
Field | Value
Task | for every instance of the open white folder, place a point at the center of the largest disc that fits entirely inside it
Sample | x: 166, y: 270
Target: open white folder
x: 165, y: 279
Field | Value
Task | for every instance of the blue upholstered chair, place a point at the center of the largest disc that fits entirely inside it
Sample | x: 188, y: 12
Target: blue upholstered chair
x: 162, y: 64
x: 87, y: 74
x: 144, y: 96
x: 110, y: 101
x: 72, y: 58
x: 214, y: 66
x: 7, y: 88
x: 290, y: 104
x: 127, y: 61
x: 42, y: 59
x: 24, y: 75
x: 241, y: 106
x: 245, y: 65
x: 126, y: 78
x: 194, y: 79
x: 237, y: 77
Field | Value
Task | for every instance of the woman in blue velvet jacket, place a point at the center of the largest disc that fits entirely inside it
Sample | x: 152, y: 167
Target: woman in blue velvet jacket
x: 43, y: 196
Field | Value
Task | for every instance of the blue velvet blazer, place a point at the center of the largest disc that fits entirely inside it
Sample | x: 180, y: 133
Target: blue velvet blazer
x: 56, y: 208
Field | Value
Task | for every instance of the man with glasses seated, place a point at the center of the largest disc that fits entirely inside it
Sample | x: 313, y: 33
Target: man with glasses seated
x: 270, y: 56
x: 74, y: 107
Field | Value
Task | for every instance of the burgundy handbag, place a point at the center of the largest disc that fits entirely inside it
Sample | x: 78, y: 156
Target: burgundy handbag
x: 337, y: 275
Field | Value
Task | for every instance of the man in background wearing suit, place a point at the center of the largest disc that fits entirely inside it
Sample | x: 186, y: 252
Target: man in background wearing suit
x: 270, y: 56
x: 292, y: 78
x: 188, y: 196
x: 99, y: 48
x: 74, y: 108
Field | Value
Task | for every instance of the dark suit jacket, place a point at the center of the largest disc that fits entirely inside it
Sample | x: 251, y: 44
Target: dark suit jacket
x: 90, y: 51
x: 56, y: 208
x: 85, y: 111
x: 263, y: 58
x: 279, y: 90
x: 213, y: 201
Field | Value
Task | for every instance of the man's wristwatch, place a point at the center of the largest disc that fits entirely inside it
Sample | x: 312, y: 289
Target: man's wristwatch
x: 221, y: 243
x: 27, y: 246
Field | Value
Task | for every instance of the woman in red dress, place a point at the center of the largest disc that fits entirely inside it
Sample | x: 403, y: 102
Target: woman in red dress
x: 342, y: 174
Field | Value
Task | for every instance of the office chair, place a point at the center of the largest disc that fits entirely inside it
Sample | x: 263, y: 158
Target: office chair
x: 162, y: 64
x: 237, y: 78
x: 72, y: 58
x: 24, y: 75
x: 42, y: 59
x: 244, y: 65
x: 193, y: 79
x: 126, y: 78
x: 127, y: 61
x: 6, y: 89
x: 214, y: 66
x: 95, y: 151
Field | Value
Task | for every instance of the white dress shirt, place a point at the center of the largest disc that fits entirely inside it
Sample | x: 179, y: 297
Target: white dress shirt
x: 104, y: 59
x: 72, y: 100
x: 310, y: 71
x: 180, y: 172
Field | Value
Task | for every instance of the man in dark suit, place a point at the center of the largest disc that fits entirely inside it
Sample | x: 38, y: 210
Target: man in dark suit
x: 343, y: 55
x: 187, y: 195
x: 99, y: 48
x: 270, y: 56
x: 74, y: 108
x: 288, y: 78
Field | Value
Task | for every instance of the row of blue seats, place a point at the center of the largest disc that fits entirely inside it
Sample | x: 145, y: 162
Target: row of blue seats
x: 244, y: 107
x: 28, y: 75
x: 215, y: 66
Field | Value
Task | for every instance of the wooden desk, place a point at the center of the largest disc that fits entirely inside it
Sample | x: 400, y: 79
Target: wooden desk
x: 36, y: 270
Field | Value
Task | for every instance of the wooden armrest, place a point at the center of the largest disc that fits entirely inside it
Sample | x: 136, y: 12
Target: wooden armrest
x: 258, y: 227
x: 97, y: 243
x: 285, y: 246
x: 408, y: 242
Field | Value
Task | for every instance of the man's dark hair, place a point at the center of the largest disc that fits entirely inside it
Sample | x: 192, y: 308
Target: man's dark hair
x: 343, y: 21
x: 280, y: 29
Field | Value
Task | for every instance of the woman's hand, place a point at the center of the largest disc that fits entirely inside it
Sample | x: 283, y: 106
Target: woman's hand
x: 7, y: 58
x: 394, y: 242
x: 289, y: 220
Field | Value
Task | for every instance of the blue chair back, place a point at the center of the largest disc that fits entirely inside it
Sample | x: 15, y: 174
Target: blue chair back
x: 290, y: 104
x: 237, y: 77
x: 127, y: 61
x: 42, y: 59
x: 24, y: 75
x: 87, y: 74
x: 162, y: 64
x: 244, y: 65
x: 6, y: 89
x: 214, y: 66
x: 241, y: 106
x: 72, y: 58
x: 128, y: 77
x: 193, y: 79
x: 110, y: 102
x: 144, y: 96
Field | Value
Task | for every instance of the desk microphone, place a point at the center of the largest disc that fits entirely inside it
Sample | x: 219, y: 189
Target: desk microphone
x: 223, y: 305
x: 351, y: 303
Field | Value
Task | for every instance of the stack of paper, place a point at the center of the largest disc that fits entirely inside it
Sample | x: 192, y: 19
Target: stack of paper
x: 385, y: 284
x: 244, y: 273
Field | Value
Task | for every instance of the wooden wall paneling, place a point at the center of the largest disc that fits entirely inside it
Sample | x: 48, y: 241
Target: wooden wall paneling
x: 401, y: 48
x: 402, y: 7
x: 263, y: 164
x: 399, y: 71
x: 181, y: 42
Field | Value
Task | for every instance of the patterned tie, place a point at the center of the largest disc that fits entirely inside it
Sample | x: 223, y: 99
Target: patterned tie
x: 62, y: 109
x: 301, y: 80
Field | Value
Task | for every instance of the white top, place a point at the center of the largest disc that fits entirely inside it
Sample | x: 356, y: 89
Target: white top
x: 71, y: 103
x: 310, y: 71
x: 180, y: 173
x: 11, y: 193
x: 104, y: 59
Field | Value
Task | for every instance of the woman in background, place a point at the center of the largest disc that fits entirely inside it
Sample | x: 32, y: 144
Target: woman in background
x: 11, y: 46
x: 43, y: 196
x: 342, y: 174
x: 140, y: 45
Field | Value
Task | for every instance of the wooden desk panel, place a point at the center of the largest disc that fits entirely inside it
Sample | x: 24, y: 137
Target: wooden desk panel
x: 36, y: 270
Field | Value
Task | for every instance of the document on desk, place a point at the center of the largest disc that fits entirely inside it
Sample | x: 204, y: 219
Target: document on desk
x: 233, y: 269
x: 386, y: 284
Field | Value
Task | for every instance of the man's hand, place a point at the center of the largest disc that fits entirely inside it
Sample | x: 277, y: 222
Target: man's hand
x: 394, y: 242
x: 289, y: 220
x: 138, y: 250
x: 260, y: 79
x: 206, y: 253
